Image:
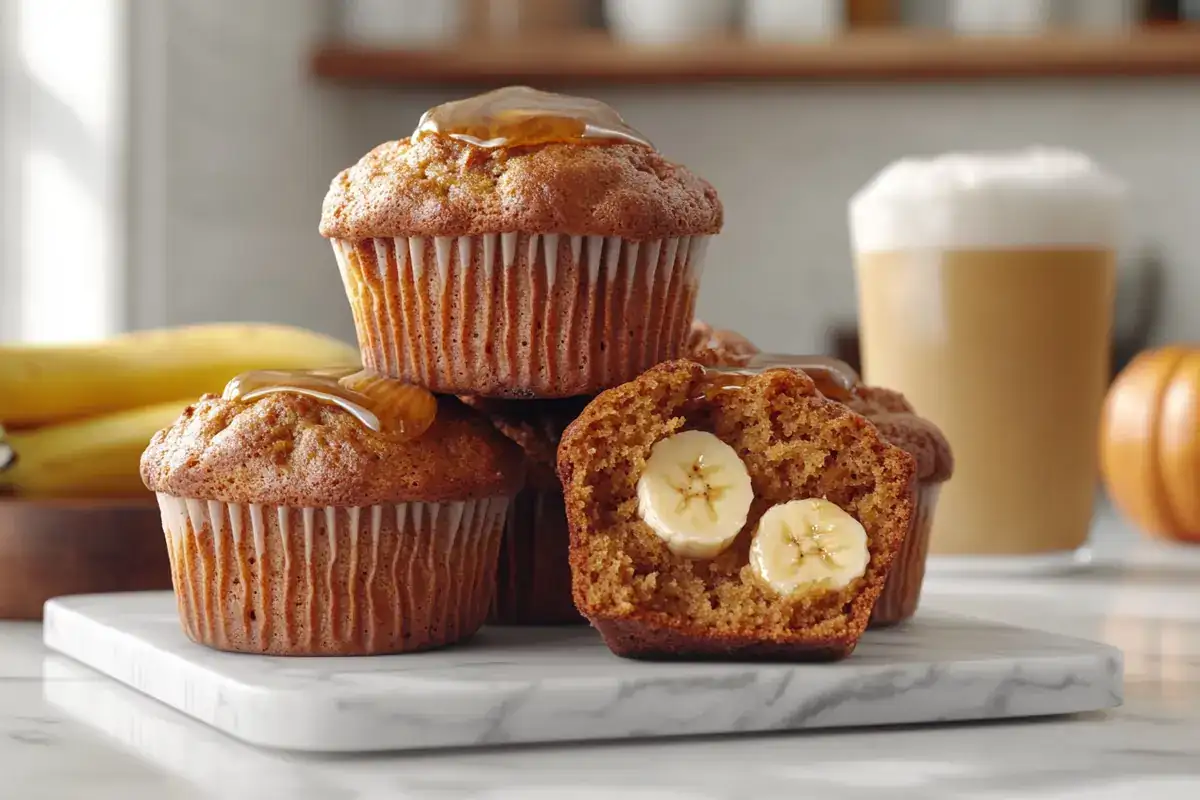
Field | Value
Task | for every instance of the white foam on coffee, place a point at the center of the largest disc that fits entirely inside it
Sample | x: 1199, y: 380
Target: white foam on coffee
x: 1025, y: 198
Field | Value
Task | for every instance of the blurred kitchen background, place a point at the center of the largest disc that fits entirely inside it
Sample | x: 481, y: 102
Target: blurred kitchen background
x: 164, y: 161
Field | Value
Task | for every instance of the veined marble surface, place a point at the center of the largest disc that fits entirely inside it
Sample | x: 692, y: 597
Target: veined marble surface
x: 67, y: 732
x: 537, y: 685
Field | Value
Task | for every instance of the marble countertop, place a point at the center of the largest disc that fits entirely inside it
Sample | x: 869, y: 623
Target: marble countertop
x: 67, y: 732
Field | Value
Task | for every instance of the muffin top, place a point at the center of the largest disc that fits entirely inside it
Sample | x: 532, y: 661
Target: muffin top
x: 295, y: 450
x: 715, y: 347
x: 891, y: 413
x: 536, y: 426
x: 548, y: 164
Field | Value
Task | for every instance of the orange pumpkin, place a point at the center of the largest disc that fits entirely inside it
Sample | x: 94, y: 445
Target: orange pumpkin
x: 1150, y: 442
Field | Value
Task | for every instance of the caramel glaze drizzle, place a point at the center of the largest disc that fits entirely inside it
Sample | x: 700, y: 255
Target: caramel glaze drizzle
x: 518, y: 116
x: 835, y: 379
x: 393, y: 409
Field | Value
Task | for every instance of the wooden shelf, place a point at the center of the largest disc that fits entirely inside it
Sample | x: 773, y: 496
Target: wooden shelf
x: 594, y: 58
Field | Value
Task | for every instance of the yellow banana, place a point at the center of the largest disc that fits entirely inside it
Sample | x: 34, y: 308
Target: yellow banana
x: 96, y: 457
x: 41, y: 384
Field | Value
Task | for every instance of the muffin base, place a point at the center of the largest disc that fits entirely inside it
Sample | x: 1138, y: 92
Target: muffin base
x: 332, y: 581
x: 902, y: 592
x: 518, y: 314
x: 638, y: 639
x: 533, y: 578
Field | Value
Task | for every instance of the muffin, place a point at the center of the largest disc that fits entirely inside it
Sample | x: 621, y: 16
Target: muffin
x: 897, y: 422
x: 533, y: 577
x: 302, y: 519
x: 520, y: 244
x: 721, y: 515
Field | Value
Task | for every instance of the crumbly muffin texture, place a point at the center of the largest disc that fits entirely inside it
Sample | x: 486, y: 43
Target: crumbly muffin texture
x: 649, y: 602
x: 293, y: 450
x: 438, y: 186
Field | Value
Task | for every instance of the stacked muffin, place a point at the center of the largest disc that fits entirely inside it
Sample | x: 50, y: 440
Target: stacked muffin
x: 294, y: 527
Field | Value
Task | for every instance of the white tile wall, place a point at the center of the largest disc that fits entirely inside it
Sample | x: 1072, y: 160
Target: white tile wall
x: 240, y: 148
x: 251, y: 143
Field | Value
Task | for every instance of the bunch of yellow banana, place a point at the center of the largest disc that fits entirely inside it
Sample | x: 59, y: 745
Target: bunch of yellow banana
x: 79, y: 416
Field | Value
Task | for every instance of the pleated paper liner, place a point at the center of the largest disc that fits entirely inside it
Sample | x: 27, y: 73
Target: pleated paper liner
x: 520, y: 315
x: 533, y: 577
x: 902, y: 592
x: 332, y: 581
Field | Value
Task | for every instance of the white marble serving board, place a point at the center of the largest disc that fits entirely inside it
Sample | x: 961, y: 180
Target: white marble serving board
x: 512, y: 685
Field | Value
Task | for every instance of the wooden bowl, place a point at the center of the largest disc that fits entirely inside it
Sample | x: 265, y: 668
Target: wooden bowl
x: 50, y: 548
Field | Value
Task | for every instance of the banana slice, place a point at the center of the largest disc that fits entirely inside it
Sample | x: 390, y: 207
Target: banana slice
x: 694, y: 493
x: 808, y: 544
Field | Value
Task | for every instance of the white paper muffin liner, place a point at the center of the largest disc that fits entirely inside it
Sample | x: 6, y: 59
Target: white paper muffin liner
x: 520, y: 315
x: 332, y: 581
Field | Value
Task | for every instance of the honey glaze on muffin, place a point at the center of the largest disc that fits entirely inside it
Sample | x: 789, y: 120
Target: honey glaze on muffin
x: 519, y: 116
x: 835, y: 379
x: 399, y: 411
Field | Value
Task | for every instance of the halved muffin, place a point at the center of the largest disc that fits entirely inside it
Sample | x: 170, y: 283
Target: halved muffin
x: 788, y: 511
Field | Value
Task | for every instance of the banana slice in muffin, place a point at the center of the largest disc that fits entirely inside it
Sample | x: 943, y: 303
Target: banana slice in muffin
x: 808, y: 543
x: 694, y: 493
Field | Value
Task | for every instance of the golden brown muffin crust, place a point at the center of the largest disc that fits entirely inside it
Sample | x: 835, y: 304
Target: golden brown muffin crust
x: 876, y: 400
x: 438, y: 186
x: 890, y: 412
x: 292, y: 450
